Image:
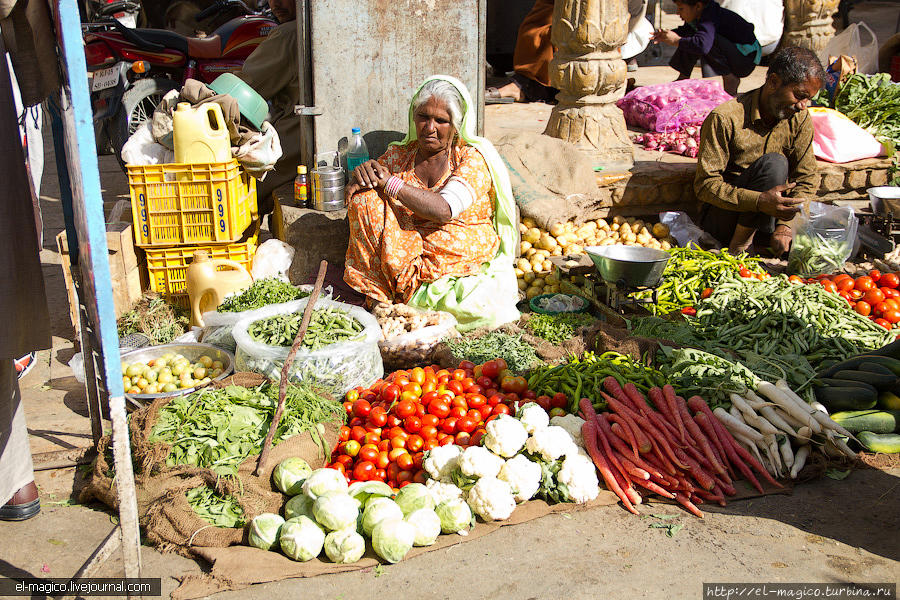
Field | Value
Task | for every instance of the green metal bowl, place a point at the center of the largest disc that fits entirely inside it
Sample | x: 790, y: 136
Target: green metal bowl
x: 252, y: 105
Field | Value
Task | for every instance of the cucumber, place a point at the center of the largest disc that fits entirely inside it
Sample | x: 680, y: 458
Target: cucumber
x: 836, y: 399
x: 886, y: 443
x: 874, y: 367
x: 881, y: 382
x: 846, y: 383
x: 888, y: 401
x: 876, y: 421
x: 852, y: 363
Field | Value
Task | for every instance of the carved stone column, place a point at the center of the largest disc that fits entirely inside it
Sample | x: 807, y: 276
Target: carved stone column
x: 808, y: 23
x: 589, y: 71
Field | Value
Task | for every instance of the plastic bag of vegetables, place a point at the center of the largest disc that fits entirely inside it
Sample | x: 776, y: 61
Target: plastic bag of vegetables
x: 333, y: 367
x: 217, y: 324
x: 824, y: 236
x: 410, y: 333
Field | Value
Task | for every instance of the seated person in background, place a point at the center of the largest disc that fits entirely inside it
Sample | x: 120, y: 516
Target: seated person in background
x: 722, y: 40
x: 433, y: 210
x: 756, y: 147
x: 272, y: 71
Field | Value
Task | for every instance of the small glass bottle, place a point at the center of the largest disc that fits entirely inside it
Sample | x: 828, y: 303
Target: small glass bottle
x: 301, y: 188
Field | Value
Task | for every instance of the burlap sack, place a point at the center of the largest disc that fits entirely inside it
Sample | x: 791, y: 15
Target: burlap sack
x: 163, y: 510
x: 552, y: 180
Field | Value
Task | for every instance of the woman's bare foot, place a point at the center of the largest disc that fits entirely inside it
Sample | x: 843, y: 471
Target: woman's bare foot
x: 510, y: 90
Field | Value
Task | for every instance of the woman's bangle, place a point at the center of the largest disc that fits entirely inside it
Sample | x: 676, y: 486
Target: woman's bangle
x: 393, y: 187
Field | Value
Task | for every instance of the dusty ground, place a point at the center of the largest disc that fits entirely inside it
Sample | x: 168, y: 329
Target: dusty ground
x: 826, y: 531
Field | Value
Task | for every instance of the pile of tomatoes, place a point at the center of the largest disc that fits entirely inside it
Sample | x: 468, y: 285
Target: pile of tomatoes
x: 875, y: 295
x: 395, y: 421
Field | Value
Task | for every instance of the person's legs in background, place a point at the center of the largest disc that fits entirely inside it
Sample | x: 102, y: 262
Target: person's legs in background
x: 18, y: 493
x: 726, y: 60
x: 737, y: 229
x: 531, y: 58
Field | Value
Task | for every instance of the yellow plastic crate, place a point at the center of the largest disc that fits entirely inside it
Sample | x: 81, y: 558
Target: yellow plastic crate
x: 191, y: 203
x: 168, y: 266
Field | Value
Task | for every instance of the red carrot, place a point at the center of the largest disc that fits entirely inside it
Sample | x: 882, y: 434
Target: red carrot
x: 705, y: 480
x: 612, y: 386
x: 633, y: 471
x: 706, y: 425
x: 727, y: 488
x: 655, y: 488
x: 636, y: 420
x: 623, y: 449
x: 669, y: 395
x: 637, y: 399
x: 604, y: 436
x: 711, y: 496
x: 730, y: 451
x: 619, y: 423
x: 589, y: 433
x: 686, y: 502
x: 698, y: 435
x: 587, y: 409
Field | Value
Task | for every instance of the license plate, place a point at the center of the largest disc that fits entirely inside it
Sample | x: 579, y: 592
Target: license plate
x: 105, y: 78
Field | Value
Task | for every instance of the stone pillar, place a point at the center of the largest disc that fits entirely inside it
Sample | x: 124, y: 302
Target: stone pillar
x: 808, y: 23
x: 589, y: 71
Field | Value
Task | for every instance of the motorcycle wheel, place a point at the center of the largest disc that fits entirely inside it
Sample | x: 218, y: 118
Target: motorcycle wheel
x: 138, y: 104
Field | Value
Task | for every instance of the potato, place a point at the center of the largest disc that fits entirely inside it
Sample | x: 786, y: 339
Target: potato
x: 528, y: 222
x: 538, y: 282
x: 533, y: 291
x: 661, y: 231
x: 522, y: 228
x: 643, y: 238
x: 524, y: 247
x: 553, y: 289
x: 608, y: 242
x: 617, y: 220
x: 575, y: 249
x: 556, y: 251
x: 522, y: 284
x: 664, y: 245
x: 548, y: 266
x: 615, y: 226
x: 557, y: 229
x: 542, y: 252
x: 645, y: 231
x: 519, y: 272
x: 523, y: 264
x: 585, y: 232
x: 569, y: 226
x: 563, y: 240
x: 602, y: 224
x: 547, y: 242
x: 532, y: 235
x: 528, y: 277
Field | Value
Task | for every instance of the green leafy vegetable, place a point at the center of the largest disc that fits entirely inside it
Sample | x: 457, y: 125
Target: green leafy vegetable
x: 218, y: 429
x: 219, y: 510
x: 519, y: 356
x: 263, y: 292
x: 873, y: 103
x: 557, y: 328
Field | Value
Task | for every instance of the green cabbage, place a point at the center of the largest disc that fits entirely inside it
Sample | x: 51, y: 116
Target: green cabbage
x: 414, y: 496
x: 336, y: 510
x: 344, y: 546
x: 264, y: 530
x: 455, y: 515
x: 290, y: 474
x: 299, y: 505
x: 324, y: 480
x: 378, y: 509
x: 363, y: 490
x: 302, y: 539
x: 427, y: 524
x: 392, y: 539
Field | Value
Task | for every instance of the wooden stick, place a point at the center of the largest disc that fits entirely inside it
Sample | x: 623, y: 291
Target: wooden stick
x: 286, y: 369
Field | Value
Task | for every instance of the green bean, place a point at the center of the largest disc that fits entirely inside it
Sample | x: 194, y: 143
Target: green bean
x: 326, y: 326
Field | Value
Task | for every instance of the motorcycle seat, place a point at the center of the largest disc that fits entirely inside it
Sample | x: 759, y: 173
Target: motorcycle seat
x: 206, y: 47
x: 169, y: 39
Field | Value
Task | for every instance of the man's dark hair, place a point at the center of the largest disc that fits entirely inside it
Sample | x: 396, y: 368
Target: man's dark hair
x: 795, y: 65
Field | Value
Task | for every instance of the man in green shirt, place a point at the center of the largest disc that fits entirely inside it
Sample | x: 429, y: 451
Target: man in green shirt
x: 756, y: 164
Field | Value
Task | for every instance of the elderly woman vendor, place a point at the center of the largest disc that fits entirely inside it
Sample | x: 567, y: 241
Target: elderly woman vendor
x: 431, y: 221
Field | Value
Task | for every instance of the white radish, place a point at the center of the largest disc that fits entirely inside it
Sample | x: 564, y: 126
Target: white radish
x: 735, y: 425
x: 787, y: 455
x: 841, y: 445
x: 775, y: 419
x: 799, y: 460
x: 819, y: 406
x: 782, y: 385
x: 804, y: 433
x: 751, y: 417
x: 789, y: 405
x: 825, y: 421
x: 755, y: 401
x: 774, y: 453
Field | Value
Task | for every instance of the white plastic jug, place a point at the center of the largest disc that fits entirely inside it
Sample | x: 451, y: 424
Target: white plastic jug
x: 200, y: 134
x: 207, y: 285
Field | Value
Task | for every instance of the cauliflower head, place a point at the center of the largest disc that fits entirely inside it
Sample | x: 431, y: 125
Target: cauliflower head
x: 441, y: 461
x: 551, y: 443
x: 443, y: 490
x: 522, y: 475
x: 505, y: 436
x: 491, y: 499
x: 533, y: 417
x: 579, y: 476
x: 478, y: 461
x: 572, y: 424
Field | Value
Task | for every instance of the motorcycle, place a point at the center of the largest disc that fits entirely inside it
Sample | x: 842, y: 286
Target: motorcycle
x: 130, y: 70
x: 125, y: 12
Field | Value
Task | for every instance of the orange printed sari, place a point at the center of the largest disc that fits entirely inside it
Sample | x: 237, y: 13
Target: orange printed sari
x: 393, y: 251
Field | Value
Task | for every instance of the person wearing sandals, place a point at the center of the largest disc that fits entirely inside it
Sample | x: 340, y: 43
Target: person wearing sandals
x: 722, y: 40
x: 432, y: 220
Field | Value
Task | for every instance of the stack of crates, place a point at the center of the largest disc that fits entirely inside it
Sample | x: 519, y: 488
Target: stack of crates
x: 178, y: 209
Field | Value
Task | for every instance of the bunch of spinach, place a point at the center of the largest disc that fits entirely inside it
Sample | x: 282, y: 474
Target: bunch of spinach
x: 873, y: 103
x: 218, y: 510
x: 263, y: 292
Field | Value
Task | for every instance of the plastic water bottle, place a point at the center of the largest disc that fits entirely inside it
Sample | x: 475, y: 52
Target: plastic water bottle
x: 357, y: 152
